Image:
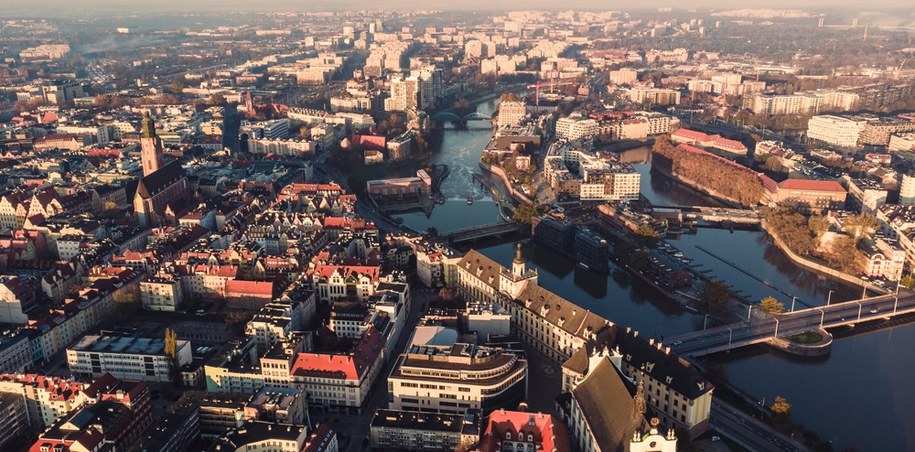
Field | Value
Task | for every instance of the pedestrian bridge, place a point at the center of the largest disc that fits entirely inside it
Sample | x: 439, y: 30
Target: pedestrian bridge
x: 482, y: 232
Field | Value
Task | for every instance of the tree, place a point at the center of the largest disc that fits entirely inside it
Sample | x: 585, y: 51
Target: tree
x: 780, y: 407
x: 819, y: 225
x: 860, y: 225
x: 844, y: 255
x: 907, y: 281
x: 216, y: 99
x: 771, y: 305
x: 171, y: 353
x: 525, y: 213
x: 647, y: 234
x: 715, y: 294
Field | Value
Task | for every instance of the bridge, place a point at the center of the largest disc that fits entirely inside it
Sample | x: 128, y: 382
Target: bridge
x: 446, y: 115
x: 482, y: 232
x: 711, y: 214
x: 763, y: 327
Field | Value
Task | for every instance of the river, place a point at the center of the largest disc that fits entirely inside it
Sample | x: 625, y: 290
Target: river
x: 859, y: 395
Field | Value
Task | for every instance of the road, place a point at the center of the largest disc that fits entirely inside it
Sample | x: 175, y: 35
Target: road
x: 762, y: 327
x: 749, y: 432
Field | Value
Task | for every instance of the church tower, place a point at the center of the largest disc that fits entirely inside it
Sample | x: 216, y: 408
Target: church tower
x: 150, y: 147
x: 512, y: 283
x: 518, y: 262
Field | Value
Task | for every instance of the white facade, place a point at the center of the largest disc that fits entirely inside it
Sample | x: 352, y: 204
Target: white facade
x: 835, y: 130
x: 126, y: 358
x: 575, y: 128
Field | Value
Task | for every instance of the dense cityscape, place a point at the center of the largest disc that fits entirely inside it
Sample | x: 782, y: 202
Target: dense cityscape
x: 392, y: 230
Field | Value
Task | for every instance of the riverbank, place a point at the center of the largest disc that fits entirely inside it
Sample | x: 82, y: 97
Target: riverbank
x: 817, y: 267
x: 695, y: 186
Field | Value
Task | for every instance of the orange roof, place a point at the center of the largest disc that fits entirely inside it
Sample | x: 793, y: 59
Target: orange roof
x: 326, y: 271
x: 691, y: 135
x: 349, y: 366
x: 807, y: 184
x: 237, y: 286
x: 549, y: 433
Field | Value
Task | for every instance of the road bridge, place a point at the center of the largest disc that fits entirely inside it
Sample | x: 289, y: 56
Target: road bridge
x: 762, y: 327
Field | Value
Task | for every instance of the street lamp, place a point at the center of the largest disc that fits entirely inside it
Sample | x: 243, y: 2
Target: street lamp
x: 829, y: 298
x: 895, y: 303
x: 822, y: 317
x: 730, y: 334
x: 749, y: 310
x: 859, y: 309
x: 793, y: 299
x: 776, y: 327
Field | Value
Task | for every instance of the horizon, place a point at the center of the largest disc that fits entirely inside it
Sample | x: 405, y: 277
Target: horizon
x: 92, y: 8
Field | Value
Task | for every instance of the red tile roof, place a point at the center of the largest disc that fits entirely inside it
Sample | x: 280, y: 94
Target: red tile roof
x: 239, y: 287
x: 806, y: 184
x: 550, y: 434
x: 350, y: 366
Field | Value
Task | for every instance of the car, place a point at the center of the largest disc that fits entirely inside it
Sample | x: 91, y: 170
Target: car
x: 874, y: 311
x: 676, y: 342
x: 716, y: 439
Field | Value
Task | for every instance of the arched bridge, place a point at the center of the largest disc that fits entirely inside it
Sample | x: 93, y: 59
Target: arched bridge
x: 452, y: 116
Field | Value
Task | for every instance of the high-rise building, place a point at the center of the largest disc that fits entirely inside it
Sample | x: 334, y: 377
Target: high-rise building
x: 907, y: 189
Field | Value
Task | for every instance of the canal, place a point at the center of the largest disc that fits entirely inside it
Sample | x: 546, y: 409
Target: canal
x: 859, y: 396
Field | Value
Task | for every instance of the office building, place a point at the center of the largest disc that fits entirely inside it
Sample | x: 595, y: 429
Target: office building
x: 126, y: 358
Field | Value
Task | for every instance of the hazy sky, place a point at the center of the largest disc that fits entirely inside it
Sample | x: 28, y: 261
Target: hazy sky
x: 125, y: 7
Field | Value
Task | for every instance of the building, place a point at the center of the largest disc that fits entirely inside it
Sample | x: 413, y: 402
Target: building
x: 15, y: 352
x: 576, y: 128
x: 812, y: 194
x: 522, y: 431
x: 654, y: 96
x: 569, y: 334
x: 865, y: 195
x: 118, y: 416
x: 411, y: 430
x: 13, y: 418
x: 455, y: 378
x: 591, y: 250
x: 511, y: 113
x: 273, y: 404
x: 616, y: 183
x: 126, y: 358
x: 46, y: 398
x: 835, y: 130
x: 161, y: 293
x: 624, y: 76
x: 907, y: 189
x: 150, y: 147
x: 339, y: 382
x: 264, y: 436
x: 163, y: 194
x: 17, y: 299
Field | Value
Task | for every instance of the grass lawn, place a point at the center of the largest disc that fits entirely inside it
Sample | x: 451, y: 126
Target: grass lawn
x: 809, y: 337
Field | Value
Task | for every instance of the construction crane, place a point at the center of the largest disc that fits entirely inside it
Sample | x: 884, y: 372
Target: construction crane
x: 541, y: 83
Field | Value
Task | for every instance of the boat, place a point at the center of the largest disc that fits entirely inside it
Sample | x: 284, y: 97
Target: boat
x: 470, y: 200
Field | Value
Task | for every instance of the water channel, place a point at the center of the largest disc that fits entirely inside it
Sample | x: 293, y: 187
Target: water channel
x: 859, y: 396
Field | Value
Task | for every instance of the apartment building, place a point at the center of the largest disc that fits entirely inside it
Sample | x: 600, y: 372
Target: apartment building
x: 126, y: 358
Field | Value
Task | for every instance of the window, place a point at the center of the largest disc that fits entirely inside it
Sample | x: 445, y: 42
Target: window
x: 508, y: 435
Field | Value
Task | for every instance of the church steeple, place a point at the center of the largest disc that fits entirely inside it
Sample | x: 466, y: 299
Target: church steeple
x: 147, y: 127
x: 150, y: 147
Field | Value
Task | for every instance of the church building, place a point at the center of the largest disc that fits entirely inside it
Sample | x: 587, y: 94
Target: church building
x: 163, y: 194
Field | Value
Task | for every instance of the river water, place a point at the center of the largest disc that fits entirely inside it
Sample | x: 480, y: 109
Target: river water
x: 860, y: 395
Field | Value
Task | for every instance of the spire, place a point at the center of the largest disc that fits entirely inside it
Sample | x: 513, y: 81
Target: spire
x: 147, y: 127
x: 638, y: 406
x: 518, y: 258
